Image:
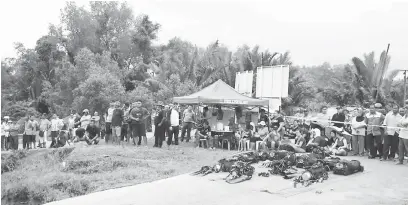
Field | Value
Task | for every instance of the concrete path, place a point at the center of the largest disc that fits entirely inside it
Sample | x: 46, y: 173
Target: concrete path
x: 381, y: 183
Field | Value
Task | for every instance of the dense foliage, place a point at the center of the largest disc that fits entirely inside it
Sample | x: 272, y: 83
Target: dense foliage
x: 106, y: 53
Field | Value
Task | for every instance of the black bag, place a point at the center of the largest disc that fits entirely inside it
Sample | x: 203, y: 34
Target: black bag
x: 345, y: 167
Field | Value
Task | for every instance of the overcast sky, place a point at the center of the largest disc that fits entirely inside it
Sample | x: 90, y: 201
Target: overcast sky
x: 314, y: 31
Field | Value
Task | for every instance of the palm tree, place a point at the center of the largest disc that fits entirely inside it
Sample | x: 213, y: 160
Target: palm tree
x: 369, y: 76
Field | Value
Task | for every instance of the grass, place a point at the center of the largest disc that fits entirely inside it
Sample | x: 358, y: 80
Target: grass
x: 39, y: 176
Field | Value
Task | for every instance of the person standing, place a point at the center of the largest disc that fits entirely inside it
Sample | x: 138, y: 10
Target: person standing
x: 45, y: 125
x: 339, y: 118
x: 71, y: 127
x: 13, y: 130
x: 403, y: 138
x: 206, y: 114
x: 138, y: 116
x: 374, y: 119
x: 188, y: 120
x: 108, y: 121
x: 358, y: 127
x: 125, y: 125
x: 4, y: 134
x: 174, y: 125
x: 166, y: 124
x: 391, y: 138
x: 116, y: 124
x: 263, y: 117
x: 56, y: 126
x: 28, y: 131
x: 159, y: 124
x: 97, y: 119
x: 35, y: 137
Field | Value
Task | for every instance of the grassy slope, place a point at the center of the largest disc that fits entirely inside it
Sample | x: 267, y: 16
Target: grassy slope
x: 41, y: 177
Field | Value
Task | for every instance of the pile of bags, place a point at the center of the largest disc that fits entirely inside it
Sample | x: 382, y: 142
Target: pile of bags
x: 315, y: 166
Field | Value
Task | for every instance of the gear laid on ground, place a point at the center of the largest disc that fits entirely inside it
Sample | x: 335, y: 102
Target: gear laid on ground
x: 240, y: 172
x: 281, y: 163
x: 345, y: 167
x: 317, y: 173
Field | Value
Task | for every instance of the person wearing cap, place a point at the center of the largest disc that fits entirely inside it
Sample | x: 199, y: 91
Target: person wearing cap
x: 391, y: 138
x: 85, y: 119
x: 272, y: 139
x: 159, y: 124
x: 92, y: 133
x: 339, y: 118
x: 108, y: 121
x: 116, y: 123
x: 259, y: 135
x: 374, y: 120
x: 138, y: 116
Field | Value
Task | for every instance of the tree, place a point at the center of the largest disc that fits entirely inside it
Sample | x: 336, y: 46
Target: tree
x: 370, y: 75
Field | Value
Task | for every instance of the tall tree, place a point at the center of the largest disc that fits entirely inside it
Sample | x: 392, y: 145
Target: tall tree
x: 370, y: 75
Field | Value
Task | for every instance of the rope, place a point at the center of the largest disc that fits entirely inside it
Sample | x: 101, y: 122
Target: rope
x: 346, y: 123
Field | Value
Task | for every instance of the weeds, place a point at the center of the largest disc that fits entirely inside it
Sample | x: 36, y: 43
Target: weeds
x: 10, y: 162
x: 41, y: 177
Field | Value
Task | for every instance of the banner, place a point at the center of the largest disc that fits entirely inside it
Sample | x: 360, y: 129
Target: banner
x: 243, y: 83
x: 272, y: 81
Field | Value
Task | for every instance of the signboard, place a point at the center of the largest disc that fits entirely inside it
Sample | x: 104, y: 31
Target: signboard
x: 243, y: 83
x: 237, y: 102
x: 272, y: 81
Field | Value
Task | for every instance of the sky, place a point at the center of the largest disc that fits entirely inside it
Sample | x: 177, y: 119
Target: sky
x: 314, y: 31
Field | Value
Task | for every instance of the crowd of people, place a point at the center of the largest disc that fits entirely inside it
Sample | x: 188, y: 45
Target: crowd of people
x: 372, y: 132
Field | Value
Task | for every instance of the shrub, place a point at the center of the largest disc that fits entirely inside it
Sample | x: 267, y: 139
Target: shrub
x: 10, y: 162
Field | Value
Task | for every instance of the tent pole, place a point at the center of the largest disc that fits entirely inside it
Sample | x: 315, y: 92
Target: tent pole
x: 269, y: 117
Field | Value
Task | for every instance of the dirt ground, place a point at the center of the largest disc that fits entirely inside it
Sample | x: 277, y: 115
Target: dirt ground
x: 380, y: 183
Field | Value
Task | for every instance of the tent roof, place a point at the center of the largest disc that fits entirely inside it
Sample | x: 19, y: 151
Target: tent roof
x: 220, y: 93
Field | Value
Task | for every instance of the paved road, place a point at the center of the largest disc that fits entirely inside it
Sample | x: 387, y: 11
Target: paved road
x: 381, y: 183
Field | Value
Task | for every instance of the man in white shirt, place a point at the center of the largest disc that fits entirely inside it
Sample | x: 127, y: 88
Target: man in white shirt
x: 108, y: 121
x: 45, y: 125
x: 403, y: 138
x: 56, y: 126
x: 174, y: 128
x: 391, y: 136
